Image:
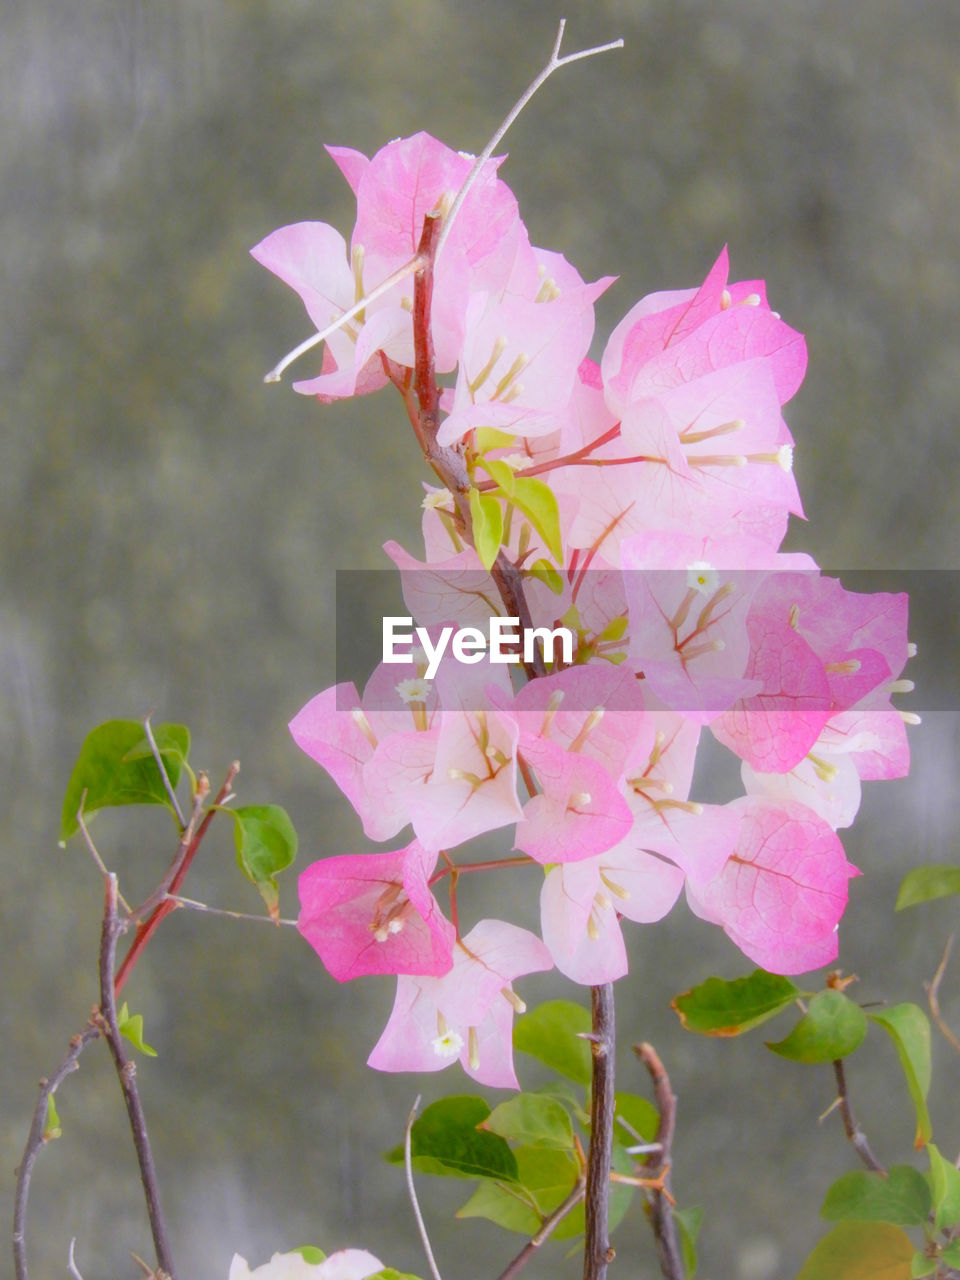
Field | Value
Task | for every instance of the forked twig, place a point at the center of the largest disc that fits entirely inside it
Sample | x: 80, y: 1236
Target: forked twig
x: 554, y: 63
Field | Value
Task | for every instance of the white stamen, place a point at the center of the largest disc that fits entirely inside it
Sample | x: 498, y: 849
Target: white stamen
x: 702, y: 577
x: 413, y: 690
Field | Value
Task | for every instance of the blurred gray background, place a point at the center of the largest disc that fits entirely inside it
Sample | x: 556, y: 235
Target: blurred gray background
x: 171, y: 529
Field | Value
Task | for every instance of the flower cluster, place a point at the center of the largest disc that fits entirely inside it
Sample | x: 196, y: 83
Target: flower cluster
x: 640, y: 502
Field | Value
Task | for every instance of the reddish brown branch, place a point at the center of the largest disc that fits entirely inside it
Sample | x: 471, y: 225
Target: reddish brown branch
x: 158, y: 906
x: 657, y: 1165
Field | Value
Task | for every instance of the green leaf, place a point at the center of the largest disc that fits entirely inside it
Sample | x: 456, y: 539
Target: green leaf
x: 551, y: 1033
x: 490, y: 438
x: 720, y: 1008
x: 951, y: 1254
x: 544, y: 1180
x: 909, y: 1028
x: 923, y: 884
x: 860, y: 1251
x: 642, y: 1117
x: 689, y: 1221
x: 116, y: 767
x: 922, y: 1265
x: 616, y: 629
x: 446, y: 1141
x: 833, y: 1027
x: 945, y: 1187
x: 486, y: 516
x: 902, y: 1198
x: 311, y: 1254
x: 532, y: 1119
x: 391, y: 1273
x: 51, y: 1126
x: 547, y: 574
x: 500, y: 473
x: 266, y: 843
x: 130, y: 1026
x: 538, y: 503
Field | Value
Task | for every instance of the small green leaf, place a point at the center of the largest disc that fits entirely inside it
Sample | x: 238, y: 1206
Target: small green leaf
x: 310, y: 1254
x: 114, y: 769
x: 902, y: 1198
x: 909, y: 1028
x: 500, y: 473
x: 490, y: 438
x: 547, y: 574
x: 642, y: 1117
x: 51, y: 1127
x: 486, y: 516
x: 923, y: 884
x: 532, y: 1119
x: 922, y: 1265
x: 538, y: 503
x: 833, y: 1027
x: 951, y: 1254
x: 721, y: 1008
x: 945, y: 1186
x: 616, y: 629
x: 446, y: 1141
x: 860, y: 1251
x: 266, y: 843
x: 551, y: 1034
x: 130, y: 1026
x: 689, y: 1221
x: 391, y: 1273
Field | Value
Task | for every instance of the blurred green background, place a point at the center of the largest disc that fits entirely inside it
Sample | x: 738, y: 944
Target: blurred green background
x: 171, y: 529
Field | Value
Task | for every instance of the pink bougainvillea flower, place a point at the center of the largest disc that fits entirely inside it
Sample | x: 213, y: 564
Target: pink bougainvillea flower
x: 817, y: 650
x: 473, y: 785
x: 581, y: 902
x: 345, y: 1264
x: 468, y: 1013
x: 578, y: 811
x: 395, y: 191
x: 518, y: 367
x: 349, y: 740
x: 373, y: 913
x: 782, y: 892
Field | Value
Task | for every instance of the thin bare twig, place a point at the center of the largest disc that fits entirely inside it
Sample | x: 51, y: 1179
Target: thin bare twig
x: 553, y: 64
x: 35, y: 1143
x: 220, y: 911
x: 72, y: 1262
x: 547, y: 1228
x: 597, y: 1252
x: 932, y: 989
x: 127, y: 1075
x: 851, y: 1128
x: 412, y: 1191
x: 94, y: 852
x: 657, y: 1164
x: 158, y: 759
